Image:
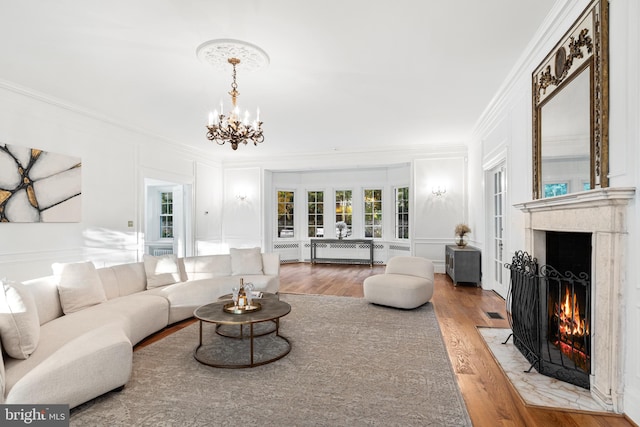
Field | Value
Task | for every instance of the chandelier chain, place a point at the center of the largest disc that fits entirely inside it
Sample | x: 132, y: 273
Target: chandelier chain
x: 234, y: 85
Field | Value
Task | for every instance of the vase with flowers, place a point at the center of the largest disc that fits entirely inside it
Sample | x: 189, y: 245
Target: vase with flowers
x: 341, y: 226
x: 461, y: 232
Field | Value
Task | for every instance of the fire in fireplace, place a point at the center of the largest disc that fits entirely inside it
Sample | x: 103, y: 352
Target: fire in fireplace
x: 569, y: 329
x: 565, y: 335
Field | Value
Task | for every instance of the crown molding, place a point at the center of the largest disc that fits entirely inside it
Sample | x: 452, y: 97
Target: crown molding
x: 76, y: 109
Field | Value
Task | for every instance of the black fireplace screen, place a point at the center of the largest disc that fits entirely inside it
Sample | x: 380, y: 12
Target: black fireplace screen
x: 549, y: 314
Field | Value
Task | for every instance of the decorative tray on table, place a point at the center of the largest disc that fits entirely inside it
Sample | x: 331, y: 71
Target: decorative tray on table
x: 234, y: 309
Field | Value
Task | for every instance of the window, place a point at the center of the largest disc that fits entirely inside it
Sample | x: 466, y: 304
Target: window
x: 556, y: 189
x: 344, y: 210
x: 373, y: 213
x: 166, y: 215
x: 315, y: 204
x: 402, y: 213
x: 285, y: 214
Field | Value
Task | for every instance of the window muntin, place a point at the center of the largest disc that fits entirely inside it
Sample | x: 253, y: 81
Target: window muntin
x: 315, y: 213
x: 285, y: 214
x: 373, y: 213
x: 402, y: 213
x: 166, y: 215
x: 344, y: 210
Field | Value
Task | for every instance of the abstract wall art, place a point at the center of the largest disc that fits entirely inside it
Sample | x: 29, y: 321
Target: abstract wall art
x: 39, y: 186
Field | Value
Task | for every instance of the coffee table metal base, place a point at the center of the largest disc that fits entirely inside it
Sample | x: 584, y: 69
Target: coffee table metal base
x: 245, y: 351
x: 244, y: 331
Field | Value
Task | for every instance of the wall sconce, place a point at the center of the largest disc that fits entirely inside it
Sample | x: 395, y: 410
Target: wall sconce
x: 438, y: 191
x: 241, y: 196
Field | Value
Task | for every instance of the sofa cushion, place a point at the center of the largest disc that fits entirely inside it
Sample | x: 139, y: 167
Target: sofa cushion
x: 144, y: 313
x: 409, y: 265
x: 246, y: 261
x: 187, y: 296
x: 131, y: 278
x: 45, y: 293
x: 263, y: 282
x: 79, y: 286
x: 19, y: 323
x: 162, y: 270
x: 207, y: 266
x: 109, y: 282
x: 397, y: 290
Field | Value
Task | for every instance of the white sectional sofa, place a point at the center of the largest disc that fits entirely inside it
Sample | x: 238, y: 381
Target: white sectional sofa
x: 69, y: 337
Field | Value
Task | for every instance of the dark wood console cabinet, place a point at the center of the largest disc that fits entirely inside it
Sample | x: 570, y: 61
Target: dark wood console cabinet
x: 463, y: 264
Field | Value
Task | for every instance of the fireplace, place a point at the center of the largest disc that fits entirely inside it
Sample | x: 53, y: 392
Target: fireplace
x: 565, y: 307
x: 599, y: 216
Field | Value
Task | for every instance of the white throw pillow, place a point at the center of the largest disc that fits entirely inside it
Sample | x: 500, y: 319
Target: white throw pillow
x: 162, y: 270
x: 19, y: 323
x: 246, y: 261
x: 79, y: 286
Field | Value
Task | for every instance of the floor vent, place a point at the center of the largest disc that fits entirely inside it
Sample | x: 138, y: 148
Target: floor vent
x: 494, y: 315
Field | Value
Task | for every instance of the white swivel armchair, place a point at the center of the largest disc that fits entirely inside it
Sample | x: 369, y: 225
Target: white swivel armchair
x: 406, y: 283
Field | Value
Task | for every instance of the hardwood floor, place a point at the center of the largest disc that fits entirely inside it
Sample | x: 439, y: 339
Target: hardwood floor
x: 490, y: 398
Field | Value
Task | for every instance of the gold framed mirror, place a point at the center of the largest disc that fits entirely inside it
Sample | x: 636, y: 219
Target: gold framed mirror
x: 571, y: 109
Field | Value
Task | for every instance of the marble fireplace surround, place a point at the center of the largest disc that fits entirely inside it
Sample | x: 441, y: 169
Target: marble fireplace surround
x: 603, y: 213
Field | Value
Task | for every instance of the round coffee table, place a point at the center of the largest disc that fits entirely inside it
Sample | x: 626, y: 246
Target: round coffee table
x: 224, y: 350
x: 259, y: 329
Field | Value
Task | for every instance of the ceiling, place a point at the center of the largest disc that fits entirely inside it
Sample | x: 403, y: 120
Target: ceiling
x: 344, y: 75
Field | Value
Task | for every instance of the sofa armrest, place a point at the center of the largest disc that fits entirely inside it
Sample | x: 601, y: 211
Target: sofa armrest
x: 271, y: 263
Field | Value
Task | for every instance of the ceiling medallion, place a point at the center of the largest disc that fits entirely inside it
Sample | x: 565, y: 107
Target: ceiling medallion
x: 233, y: 128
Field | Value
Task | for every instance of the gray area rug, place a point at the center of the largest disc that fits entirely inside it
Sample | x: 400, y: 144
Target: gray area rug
x: 351, y: 364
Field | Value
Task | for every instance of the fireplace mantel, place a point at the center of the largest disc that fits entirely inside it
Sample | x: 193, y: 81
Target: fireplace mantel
x: 598, y: 197
x: 603, y: 213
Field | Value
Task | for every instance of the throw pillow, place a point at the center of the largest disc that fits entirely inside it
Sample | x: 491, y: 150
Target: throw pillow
x: 19, y: 323
x: 246, y: 261
x: 162, y: 270
x: 79, y: 286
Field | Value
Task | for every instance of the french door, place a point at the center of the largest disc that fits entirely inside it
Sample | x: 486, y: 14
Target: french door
x: 497, y: 229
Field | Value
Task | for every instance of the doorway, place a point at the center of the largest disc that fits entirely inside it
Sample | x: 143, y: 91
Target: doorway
x: 167, y: 218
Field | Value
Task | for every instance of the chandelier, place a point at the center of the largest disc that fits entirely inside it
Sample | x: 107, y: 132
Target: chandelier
x: 233, y: 127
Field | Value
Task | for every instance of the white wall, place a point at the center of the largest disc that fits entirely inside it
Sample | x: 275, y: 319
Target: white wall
x: 242, y: 221
x: 208, y: 213
x: 505, y: 130
x: 624, y: 157
x: 434, y: 218
x: 115, y: 161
